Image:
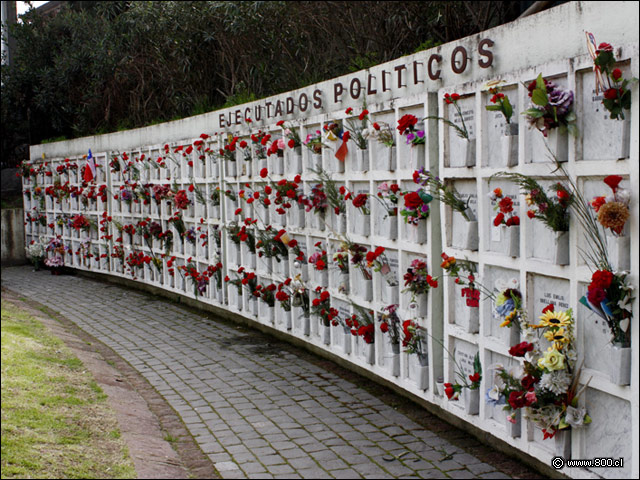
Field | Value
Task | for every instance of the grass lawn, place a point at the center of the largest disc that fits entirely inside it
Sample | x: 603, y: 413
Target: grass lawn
x: 56, y: 422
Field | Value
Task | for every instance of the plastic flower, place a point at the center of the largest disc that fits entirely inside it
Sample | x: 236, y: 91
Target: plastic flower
x: 559, y: 337
x: 552, y: 360
x: 613, y: 215
x: 554, y: 319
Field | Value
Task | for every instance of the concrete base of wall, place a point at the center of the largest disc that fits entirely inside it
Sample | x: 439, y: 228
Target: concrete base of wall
x: 13, y: 242
x: 483, y: 436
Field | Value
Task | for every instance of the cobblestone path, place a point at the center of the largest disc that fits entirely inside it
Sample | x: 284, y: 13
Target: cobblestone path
x: 258, y: 408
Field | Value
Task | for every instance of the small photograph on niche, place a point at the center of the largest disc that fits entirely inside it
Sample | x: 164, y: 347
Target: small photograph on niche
x: 551, y: 120
x: 501, y: 134
x: 459, y: 130
x: 411, y: 150
x: 502, y: 232
x: 609, y: 199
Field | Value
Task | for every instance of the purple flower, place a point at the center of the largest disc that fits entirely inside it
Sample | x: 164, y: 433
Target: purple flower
x: 126, y: 195
x: 560, y: 98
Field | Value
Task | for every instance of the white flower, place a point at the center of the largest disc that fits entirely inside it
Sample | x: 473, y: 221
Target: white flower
x: 575, y: 416
x: 513, y: 283
x: 623, y: 196
x: 556, y: 382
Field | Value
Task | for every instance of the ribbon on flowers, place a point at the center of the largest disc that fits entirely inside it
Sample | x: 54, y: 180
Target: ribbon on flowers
x: 593, y: 51
x: 341, y: 154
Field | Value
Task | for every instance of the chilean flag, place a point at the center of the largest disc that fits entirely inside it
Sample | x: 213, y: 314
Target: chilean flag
x: 89, y: 168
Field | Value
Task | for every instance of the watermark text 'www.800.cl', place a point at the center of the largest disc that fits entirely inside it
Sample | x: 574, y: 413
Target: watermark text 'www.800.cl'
x: 602, y: 462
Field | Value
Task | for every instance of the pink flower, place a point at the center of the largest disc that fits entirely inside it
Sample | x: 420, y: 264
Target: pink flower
x: 530, y: 397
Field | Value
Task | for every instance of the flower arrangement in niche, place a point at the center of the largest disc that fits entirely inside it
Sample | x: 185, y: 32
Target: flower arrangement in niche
x: 319, y: 258
x: 259, y: 141
x: 390, y: 323
x: 377, y: 260
x: 500, y: 102
x: 508, y: 302
x: 382, y: 133
x: 388, y: 196
x: 613, y: 210
x: 358, y: 257
x: 416, y: 206
x: 287, y: 192
x: 414, y: 338
x: 228, y: 152
x: 463, y: 272
x: 363, y: 324
x: 504, y: 205
x: 552, y: 107
x: 417, y: 280
x: 291, y: 134
x: 553, y: 209
x: 321, y: 307
x: 361, y: 202
x: 616, y: 92
x: 442, y: 192
x: 314, y: 142
x: 472, y: 382
x: 283, y: 296
x: 461, y: 130
x: 359, y: 129
x: 547, y: 384
x: 277, y: 147
x: 333, y: 195
x: 610, y: 296
x: 407, y: 127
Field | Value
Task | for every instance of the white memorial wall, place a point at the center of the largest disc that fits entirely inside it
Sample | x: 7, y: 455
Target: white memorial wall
x: 551, y: 43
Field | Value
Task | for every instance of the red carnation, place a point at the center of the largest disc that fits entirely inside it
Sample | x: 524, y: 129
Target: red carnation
x: 613, y: 181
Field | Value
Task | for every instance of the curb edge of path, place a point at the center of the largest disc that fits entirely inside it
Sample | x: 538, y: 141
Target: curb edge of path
x: 189, y: 460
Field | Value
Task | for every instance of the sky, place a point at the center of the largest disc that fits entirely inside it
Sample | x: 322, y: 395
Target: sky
x: 22, y: 6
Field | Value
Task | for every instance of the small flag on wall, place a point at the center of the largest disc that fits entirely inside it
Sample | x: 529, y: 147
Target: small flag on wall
x: 89, y: 168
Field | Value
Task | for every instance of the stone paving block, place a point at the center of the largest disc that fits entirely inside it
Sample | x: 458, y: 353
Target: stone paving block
x: 461, y: 474
x: 271, y: 459
x: 447, y: 465
x: 251, y: 468
x: 480, y: 468
x: 498, y: 475
x: 313, y: 473
x: 263, y: 451
x: 280, y: 469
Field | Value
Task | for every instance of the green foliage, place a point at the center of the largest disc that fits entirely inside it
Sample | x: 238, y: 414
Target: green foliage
x: 426, y: 45
x: 107, y: 66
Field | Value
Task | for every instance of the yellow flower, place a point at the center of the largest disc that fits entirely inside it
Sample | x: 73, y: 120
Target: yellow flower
x: 552, y: 360
x: 558, y: 337
x: 509, y: 318
x: 554, y: 319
